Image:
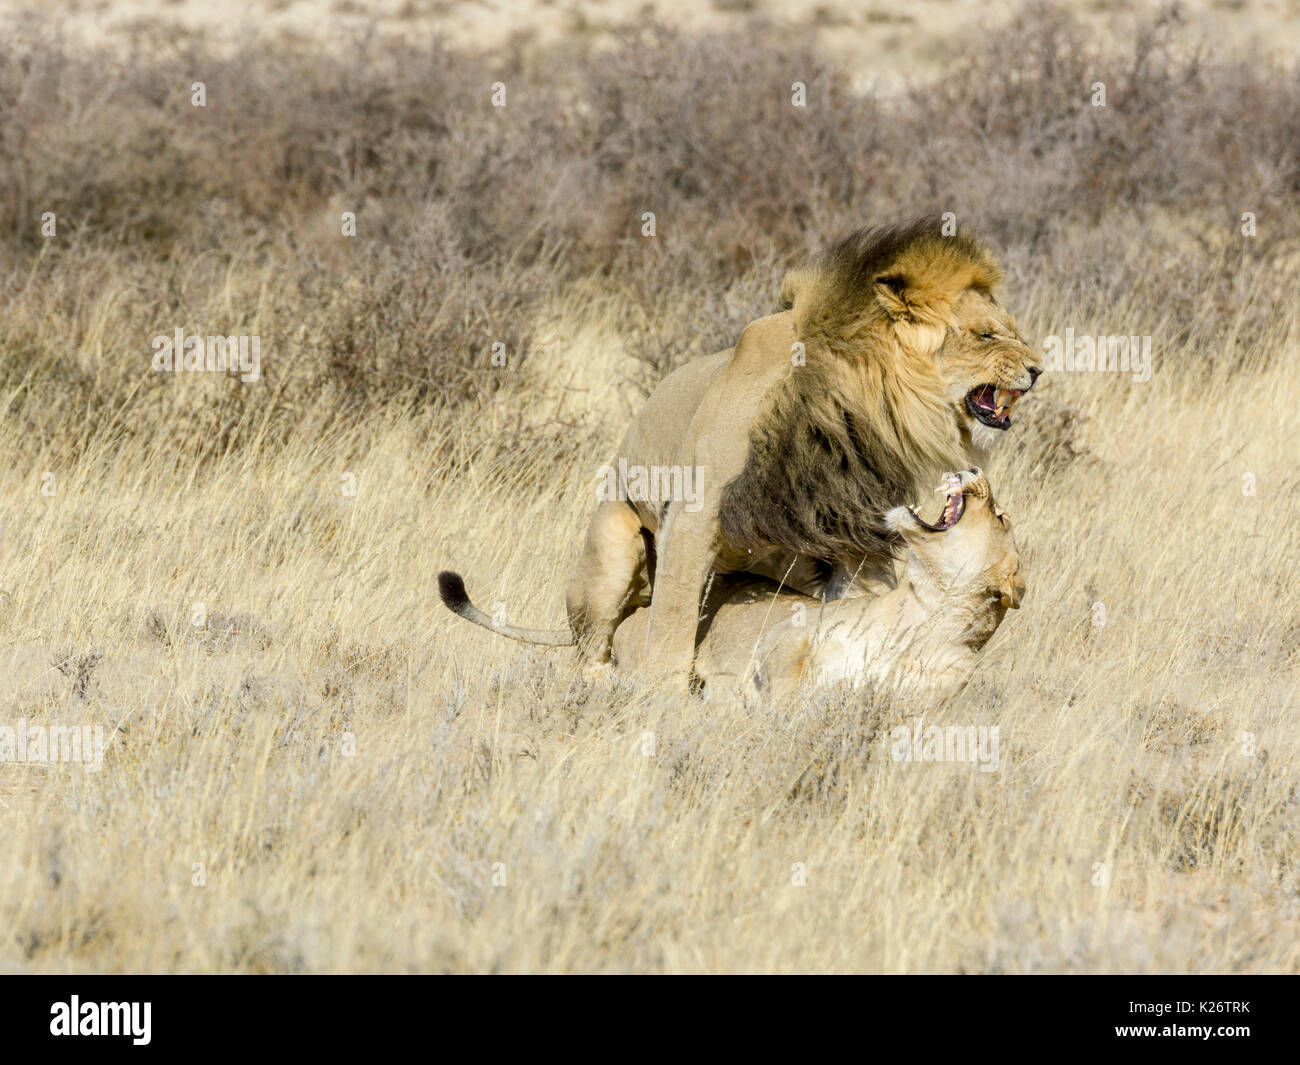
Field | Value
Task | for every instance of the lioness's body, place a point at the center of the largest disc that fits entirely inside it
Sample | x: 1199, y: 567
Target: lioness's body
x: 920, y: 640
x: 804, y: 434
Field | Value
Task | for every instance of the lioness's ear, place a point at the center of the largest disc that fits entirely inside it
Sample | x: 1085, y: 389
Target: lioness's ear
x: 1013, y: 590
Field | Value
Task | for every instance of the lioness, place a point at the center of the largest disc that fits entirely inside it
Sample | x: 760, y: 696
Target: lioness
x: 893, y: 363
x: 918, y: 641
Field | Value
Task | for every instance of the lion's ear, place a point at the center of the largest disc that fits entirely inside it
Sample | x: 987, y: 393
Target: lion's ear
x: 891, y: 294
x: 919, y: 325
x: 920, y: 295
x: 795, y: 282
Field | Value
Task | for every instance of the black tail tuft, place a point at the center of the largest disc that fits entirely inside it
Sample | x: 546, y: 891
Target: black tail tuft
x: 451, y: 589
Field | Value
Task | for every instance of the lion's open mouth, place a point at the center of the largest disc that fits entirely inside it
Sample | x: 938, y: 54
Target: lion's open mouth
x: 991, y: 405
x: 953, y: 508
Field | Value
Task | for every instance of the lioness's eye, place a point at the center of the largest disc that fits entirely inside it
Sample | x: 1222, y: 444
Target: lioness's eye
x: 987, y: 336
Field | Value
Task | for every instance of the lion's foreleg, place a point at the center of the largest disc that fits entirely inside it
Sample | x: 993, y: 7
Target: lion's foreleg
x: 687, y: 545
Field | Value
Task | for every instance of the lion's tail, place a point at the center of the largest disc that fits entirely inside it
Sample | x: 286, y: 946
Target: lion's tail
x: 451, y: 589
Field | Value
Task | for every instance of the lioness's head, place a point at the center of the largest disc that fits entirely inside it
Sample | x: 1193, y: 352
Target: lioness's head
x: 968, y: 549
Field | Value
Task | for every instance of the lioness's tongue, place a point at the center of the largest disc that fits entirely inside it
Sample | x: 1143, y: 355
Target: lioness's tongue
x: 951, y: 487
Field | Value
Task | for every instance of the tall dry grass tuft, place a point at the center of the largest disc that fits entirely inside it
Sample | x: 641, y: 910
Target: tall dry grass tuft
x: 311, y: 766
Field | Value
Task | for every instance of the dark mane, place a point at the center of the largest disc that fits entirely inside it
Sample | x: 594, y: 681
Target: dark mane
x: 816, y: 485
x: 847, y: 436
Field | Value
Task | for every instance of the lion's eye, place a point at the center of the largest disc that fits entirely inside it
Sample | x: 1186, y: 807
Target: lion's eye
x: 988, y: 336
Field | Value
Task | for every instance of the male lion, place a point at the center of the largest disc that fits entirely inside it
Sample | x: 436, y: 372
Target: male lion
x: 919, y: 641
x: 892, y: 363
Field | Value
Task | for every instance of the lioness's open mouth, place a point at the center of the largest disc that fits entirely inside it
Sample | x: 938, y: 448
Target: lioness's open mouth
x: 953, y: 508
x: 990, y: 405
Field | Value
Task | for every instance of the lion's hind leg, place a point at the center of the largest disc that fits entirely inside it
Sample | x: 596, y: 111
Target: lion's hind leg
x: 609, y: 580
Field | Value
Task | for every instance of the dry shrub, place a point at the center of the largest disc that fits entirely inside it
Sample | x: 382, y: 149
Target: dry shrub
x: 471, y: 218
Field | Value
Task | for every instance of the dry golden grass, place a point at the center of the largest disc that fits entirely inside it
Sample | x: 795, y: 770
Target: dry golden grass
x: 320, y: 769
x: 636, y: 832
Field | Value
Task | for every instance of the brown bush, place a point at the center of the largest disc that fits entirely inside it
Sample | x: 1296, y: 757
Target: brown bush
x: 474, y: 219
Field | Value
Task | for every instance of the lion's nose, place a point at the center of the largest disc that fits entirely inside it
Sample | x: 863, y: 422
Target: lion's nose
x: 1034, y: 373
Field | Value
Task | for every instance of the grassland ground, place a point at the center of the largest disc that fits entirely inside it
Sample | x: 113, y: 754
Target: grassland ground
x: 310, y: 766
